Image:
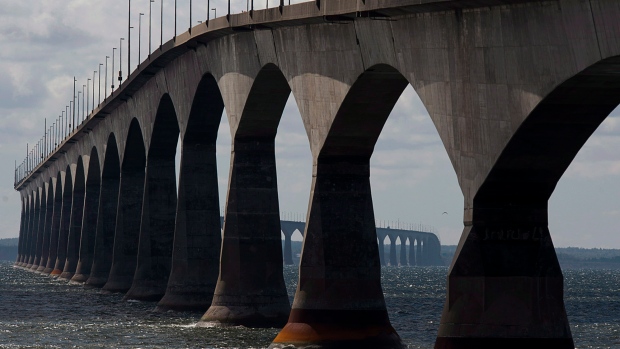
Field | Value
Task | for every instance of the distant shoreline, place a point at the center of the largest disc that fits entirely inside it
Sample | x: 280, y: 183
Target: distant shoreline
x: 569, y: 257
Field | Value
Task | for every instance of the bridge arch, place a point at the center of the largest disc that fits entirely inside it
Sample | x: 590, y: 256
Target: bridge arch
x: 129, y: 211
x: 89, y: 220
x: 48, y: 188
x: 507, y: 235
x: 66, y: 183
x: 341, y: 210
x: 55, y: 183
x: 75, y: 222
x: 158, y: 208
x: 107, y: 210
x: 197, y: 232
x: 251, y: 243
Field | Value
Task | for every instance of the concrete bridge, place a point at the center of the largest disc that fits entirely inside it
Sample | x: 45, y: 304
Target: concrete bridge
x: 424, y: 247
x: 514, y: 88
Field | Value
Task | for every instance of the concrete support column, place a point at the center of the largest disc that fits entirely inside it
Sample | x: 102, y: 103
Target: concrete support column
x: 288, y: 250
x: 393, y: 260
x: 38, y: 238
x: 63, y: 234
x: 339, y: 300
x: 403, y: 253
x: 47, y: 232
x: 34, y: 228
x: 250, y: 290
x: 106, y: 224
x: 382, y: 251
x: 156, y: 231
x: 55, y: 231
x: 89, y: 231
x: 505, y: 287
x: 75, y: 234
x: 198, y: 232
x: 127, y: 232
x: 418, y: 256
x: 21, y: 235
x: 412, y: 252
x: 26, y: 240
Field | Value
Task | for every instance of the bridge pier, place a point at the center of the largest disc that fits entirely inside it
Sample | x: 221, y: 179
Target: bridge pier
x: 505, y: 285
x: 288, y: 250
x: 339, y: 300
x: 47, y: 228
x: 126, y: 236
x: 55, y: 227
x: 63, y: 231
x: 89, y: 222
x: 250, y: 290
x: 75, y: 227
x: 198, y: 230
x: 106, y: 217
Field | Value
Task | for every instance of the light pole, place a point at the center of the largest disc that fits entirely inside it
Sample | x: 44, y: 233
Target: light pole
x: 150, y: 17
x: 129, y: 39
x: 214, y: 13
x: 99, y: 92
x: 175, y: 19
x: 190, y: 16
x: 83, y: 100
x: 105, y: 85
x: 113, y: 49
x: 208, y: 11
x: 78, y: 104
x: 71, y: 107
x: 87, y: 93
x: 120, y: 61
x: 74, y: 81
x: 161, y: 25
x: 139, y: 38
x: 94, y: 72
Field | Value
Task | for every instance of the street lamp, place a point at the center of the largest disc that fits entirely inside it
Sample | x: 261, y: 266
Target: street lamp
x: 129, y: 39
x: 83, y: 102
x: 105, y: 85
x: 161, y: 25
x: 87, y: 93
x: 74, y: 81
x: 175, y: 19
x: 94, y: 72
x: 78, y: 104
x: 99, y: 92
x: 120, y: 61
x: 113, y: 49
x: 190, y: 16
x: 150, y: 16
x: 139, y: 38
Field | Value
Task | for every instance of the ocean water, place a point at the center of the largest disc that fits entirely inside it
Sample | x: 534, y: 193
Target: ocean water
x: 39, y: 312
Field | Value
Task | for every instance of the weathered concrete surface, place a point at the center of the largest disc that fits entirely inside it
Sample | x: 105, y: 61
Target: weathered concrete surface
x: 65, y: 221
x: 127, y: 232
x: 198, y: 232
x: 89, y: 219
x: 53, y: 251
x: 158, y: 209
x: 75, y: 225
x: 49, y: 214
x: 250, y: 290
x: 514, y: 89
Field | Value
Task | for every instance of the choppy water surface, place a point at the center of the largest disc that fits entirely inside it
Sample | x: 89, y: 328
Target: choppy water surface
x: 39, y: 312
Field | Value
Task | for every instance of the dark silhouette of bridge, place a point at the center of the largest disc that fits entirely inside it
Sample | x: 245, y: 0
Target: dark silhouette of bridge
x: 514, y: 88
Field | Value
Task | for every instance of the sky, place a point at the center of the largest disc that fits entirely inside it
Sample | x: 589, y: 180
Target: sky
x: 46, y: 43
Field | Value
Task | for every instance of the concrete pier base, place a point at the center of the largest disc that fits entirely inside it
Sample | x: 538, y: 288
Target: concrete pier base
x: 106, y: 222
x: 198, y: 232
x: 339, y: 300
x: 250, y: 290
x: 505, y: 290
